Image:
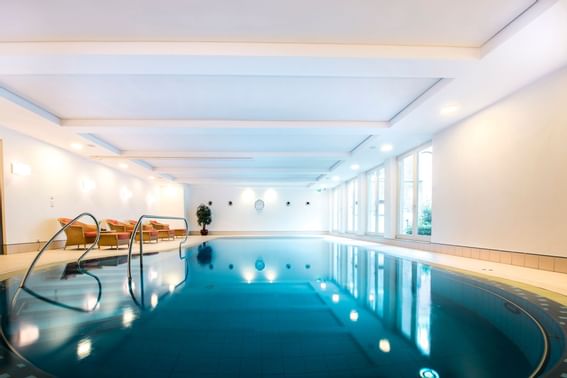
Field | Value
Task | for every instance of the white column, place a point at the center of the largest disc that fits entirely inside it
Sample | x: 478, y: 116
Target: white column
x: 391, y: 198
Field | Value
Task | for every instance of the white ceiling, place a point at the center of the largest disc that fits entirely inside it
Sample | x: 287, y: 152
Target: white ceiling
x: 407, y: 22
x: 218, y: 97
x: 350, y: 77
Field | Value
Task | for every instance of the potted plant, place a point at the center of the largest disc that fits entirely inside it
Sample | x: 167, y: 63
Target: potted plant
x: 204, y: 218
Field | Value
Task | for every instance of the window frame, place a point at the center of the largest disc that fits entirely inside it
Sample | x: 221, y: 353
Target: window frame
x: 415, y: 205
x: 376, y: 170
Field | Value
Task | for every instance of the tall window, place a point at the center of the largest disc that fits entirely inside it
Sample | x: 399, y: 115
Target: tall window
x: 376, y: 206
x: 352, y: 205
x: 416, y: 170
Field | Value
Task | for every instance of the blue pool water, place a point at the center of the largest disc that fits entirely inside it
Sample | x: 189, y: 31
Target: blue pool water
x: 269, y: 307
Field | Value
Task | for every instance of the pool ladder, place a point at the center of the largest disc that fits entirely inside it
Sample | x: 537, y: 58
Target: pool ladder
x: 54, y: 237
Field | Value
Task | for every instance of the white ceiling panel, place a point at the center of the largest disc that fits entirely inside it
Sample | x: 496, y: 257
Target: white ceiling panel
x: 408, y: 22
x: 262, y: 163
x: 219, y: 97
x: 232, y: 143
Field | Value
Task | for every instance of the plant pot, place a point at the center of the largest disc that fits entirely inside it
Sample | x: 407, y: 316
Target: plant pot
x: 204, y: 232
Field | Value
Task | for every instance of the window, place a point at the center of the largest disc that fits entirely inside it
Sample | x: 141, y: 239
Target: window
x: 352, y: 205
x: 376, y: 206
x: 415, y: 193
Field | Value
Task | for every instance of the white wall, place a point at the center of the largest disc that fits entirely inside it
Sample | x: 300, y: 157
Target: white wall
x: 500, y: 177
x: 276, y: 216
x: 31, y: 214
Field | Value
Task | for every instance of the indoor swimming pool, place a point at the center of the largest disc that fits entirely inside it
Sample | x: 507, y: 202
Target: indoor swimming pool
x: 275, y: 307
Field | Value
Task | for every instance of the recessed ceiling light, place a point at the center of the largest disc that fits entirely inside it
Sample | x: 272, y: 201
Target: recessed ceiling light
x: 449, y: 109
x: 335, y: 178
x: 355, y: 167
x: 151, y: 177
x: 123, y: 165
x: 76, y: 146
x: 386, y: 148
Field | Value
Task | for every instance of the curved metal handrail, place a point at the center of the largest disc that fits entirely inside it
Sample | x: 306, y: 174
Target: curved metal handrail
x: 44, y: 248
x: 133, y: 237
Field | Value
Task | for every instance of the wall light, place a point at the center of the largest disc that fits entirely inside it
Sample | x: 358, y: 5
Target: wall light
x: 20, y: 169
x: 270, y: 195
x: 151, y: 198
x: 170, y: 190
x: 125, y: 194
x: 248, y: 195
x: 87, y: 185
x: 386, y: 148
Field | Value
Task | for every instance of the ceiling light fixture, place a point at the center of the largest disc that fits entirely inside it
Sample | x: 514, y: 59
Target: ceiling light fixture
x: 123, y: 165
x: 386, y: 148
x: 449, y: 109
x: 335, y: 178
x: 355, y: 167
x: 76, y: 146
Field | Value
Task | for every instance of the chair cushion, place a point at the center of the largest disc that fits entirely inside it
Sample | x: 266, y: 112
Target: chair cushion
x: 153, y: 232
x: 123, y: 235
x: 90, y: 234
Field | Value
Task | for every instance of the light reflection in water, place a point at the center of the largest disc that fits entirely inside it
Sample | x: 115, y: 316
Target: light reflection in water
x: 27, y: 335
x: 84, y: 348
x: 154, y: 300
x: 384, y: 345
x: 398, y: 291
x: 127, y: 317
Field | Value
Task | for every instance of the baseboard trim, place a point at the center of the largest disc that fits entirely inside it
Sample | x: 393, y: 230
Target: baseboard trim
x: 11, y: 249
x: 527, y: 260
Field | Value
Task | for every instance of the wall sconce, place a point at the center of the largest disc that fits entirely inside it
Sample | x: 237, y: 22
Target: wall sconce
x: 125, y: 194
x: 87, y: 185
x: 20, y: 169
x: 248, y: 195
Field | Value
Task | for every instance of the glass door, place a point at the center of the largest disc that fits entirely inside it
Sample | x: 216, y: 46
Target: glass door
x: 415, y: 193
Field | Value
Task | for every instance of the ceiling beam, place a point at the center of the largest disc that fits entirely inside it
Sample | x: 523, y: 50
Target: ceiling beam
x: 218, y: 58
x: 218, y: 170
x: 220, y: 155
x: 247, y: 182
x: 133, y: 125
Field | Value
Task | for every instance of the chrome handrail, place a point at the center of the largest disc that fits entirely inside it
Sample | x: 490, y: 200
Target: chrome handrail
x: 141, y: 229
x: 44, y: 248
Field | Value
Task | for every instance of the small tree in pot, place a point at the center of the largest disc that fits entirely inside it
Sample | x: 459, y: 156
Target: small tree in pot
x: 204, y: 218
